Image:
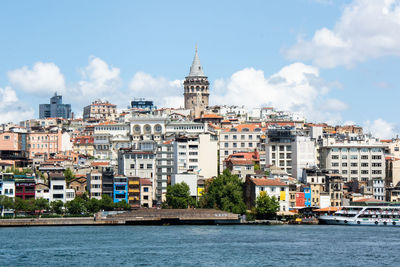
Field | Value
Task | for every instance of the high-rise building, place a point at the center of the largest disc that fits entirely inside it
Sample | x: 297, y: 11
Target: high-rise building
x: 56, y: 109
x: 196, y: 87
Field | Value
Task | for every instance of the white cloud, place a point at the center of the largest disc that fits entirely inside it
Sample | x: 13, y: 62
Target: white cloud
x: 163, y: 92
x: 296, y: 87
x: 380, y: 128
x: 10, y: 109
x: 366, y: 30
x: 44, y: 78
x: 99, y: 79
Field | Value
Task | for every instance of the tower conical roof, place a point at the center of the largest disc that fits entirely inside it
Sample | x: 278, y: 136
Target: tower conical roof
x: 196, y: 69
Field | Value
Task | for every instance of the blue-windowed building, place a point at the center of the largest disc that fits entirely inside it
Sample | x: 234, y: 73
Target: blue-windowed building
x: 120, y: 187
x: 307, y: 196
x: 56, y: 109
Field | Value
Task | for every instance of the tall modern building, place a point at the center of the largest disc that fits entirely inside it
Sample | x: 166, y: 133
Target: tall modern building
x: 196, y: 87
x: 56, y: 109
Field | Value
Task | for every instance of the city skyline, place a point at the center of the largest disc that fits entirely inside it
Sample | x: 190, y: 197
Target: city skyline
x: 314, y: 57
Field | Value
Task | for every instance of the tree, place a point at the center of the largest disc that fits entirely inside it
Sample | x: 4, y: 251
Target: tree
x: 123, y: 205
x: 20, y: 204
x: 57, y: 206
x: 257, y: 167
x: 106, y: 203
x: 76, y: 206
x: 41, y: 204
x: 266, y: 207
x: 93, y: 205
x: 69, y: 175
x: 224, y: 192
x: 6, y: 203
x: 178, y: 196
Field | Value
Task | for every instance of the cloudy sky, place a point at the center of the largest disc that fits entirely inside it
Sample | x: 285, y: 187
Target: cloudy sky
x: 334, y: 61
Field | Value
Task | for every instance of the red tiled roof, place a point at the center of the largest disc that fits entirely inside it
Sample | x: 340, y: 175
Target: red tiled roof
x: 100, y: 163
x: 145, y: 181
x: 267, y: 182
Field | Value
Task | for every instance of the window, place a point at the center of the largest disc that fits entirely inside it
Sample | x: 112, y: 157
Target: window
x: 234, y: 137
x: 149, y: 166
x: 146, y: 197
x: 335, y: 156
x: 344, y: 156
x: 261, y: 188
x: 335, y: 149
x: 6, y: 137
x: 335, y: 164
x: 226, y: 144
x: 364, y: 171
x: 354, y: 164
x: 344, y: 164
x: 132, y: 166
x: 226, y: 137
x: 241, y: 144
x: 250, y: 144
x: 58, y: 196
x: 119, y: 187
x: 344, y: 171
x: 145, y: 189
x: 58, y: 187
x: 354, y: 172
x: 120, y: 196
x: 141, y: 166
x: 376, y: 157
x: 234, y: 145
x: 353, y: 157
x: 242, y: 137
x: 364, y: 157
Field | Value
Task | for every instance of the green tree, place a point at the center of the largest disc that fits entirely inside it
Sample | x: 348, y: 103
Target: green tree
x: 93, y: 205
x: 257, y: 167
x: 6, y: 203
x: 20, y: 204
x: 69, y: 175
x: 224, y: 192
x: 266, y: 206
x: 41, y: 204
x: 106, y: 203
x: 57, y: 207
x: 178, y: 196
x: 122, y: 205
x: 76, y: 206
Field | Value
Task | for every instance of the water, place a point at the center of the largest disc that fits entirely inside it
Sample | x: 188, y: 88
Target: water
x: 249, y: 245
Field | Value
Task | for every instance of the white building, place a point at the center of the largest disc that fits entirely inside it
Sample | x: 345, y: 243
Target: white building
x: 358, y: 158
x: 94, y: 184
x: 197, y: 153
x: 189, y: 178
x: 57, y: 187
x: 289, y: 149
x: 109, y: 138
x: 272, y: 187
x: 242, y: 138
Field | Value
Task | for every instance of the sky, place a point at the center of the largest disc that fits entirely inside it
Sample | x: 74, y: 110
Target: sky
x: 332, y: 61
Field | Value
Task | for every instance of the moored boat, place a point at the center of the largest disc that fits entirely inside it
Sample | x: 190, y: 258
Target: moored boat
x: 364, y: 215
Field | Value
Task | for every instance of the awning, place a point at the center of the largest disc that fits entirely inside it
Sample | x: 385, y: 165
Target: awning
x: 328, y: 209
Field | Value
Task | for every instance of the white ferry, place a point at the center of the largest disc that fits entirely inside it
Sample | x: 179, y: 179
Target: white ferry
x: 364, y: 215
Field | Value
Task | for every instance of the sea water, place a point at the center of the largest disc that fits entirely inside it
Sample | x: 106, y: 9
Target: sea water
x: 239, y: 245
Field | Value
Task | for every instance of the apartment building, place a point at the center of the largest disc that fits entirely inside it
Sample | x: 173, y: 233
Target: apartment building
x: 290, y: 149
x: 356, y: 158
x: 100, y: 110
x: 164, y: 169
x: 109, y: 138
x: 94, y: 182
x: 242, y: 138
x: 197, y: 153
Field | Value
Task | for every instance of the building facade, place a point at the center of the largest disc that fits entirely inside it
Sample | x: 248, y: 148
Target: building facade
x: 56, y: 109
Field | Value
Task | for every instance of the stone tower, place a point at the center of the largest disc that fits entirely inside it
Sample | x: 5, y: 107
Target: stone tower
x: 196, y: 89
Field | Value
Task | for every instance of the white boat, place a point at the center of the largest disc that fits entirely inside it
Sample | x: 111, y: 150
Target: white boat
x: 364, y: 215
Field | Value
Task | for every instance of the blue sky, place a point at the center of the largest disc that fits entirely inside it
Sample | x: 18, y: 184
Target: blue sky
x: 338, y: 60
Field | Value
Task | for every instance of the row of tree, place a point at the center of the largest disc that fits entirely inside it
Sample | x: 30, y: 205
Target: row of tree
x: 225, y: 192
x: 78, y: 206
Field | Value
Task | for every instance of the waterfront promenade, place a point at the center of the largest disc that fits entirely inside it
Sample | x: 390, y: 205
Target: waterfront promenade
x: 135, y: 217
